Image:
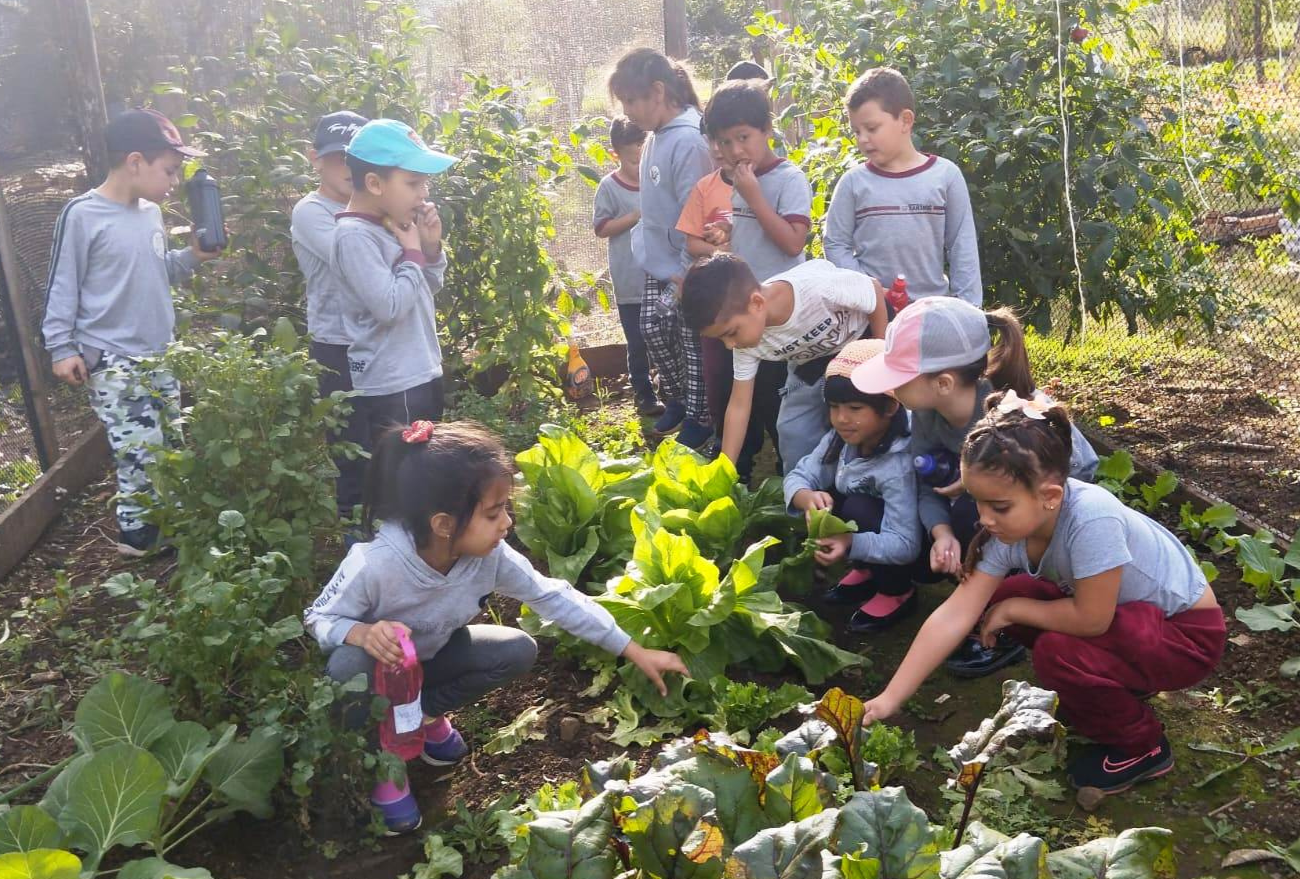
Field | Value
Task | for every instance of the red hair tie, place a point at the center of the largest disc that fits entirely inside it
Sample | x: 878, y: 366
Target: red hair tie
x: 418, y: 432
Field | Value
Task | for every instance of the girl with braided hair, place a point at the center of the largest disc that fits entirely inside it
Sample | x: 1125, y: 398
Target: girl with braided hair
x: 1113, y: 607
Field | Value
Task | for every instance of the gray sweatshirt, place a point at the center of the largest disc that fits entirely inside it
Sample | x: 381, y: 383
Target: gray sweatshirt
x: 915, y: 223
x: 110, y: 280
x: 312, y: 230
x: 889, y: 476
x: 931, y: 431
x: 673, y: 159
x: 388, y: 314
x: 386, y: 579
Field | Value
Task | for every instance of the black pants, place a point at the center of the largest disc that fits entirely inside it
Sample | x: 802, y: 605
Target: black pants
x: 867, y: 513
x: 374, y: 415
x: 347, y: 488
x: 763, y: 411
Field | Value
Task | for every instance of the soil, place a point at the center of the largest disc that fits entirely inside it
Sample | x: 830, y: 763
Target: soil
x: 1262, y: 804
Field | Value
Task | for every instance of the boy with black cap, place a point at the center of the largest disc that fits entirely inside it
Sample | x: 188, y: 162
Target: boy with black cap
x: 312, y: 231
x: 108, y: 303
x: 389, y: 259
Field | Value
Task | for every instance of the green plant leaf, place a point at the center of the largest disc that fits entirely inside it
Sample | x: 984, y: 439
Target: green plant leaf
x: 676, y: 836
x: 115, y: 799
x: 529, y: 725
x: 791, y: 851
x: 1267, y: 617
x: 123, y: 708
x: 1117, y: 467
x: 824, y: 523
x: 891, y: 829
x: 243, y: 773
x: 1138, y: 853
x: 56, y: 795
x: 40, y: 864
x: 180, y: 749
x: 157, y: 868
x: 571, y: 844
x: 440, y: 860
x: 797, y: 790
x: 27, y: 828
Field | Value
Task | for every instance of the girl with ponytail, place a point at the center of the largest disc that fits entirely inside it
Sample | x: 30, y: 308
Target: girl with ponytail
x: 1113, y: 606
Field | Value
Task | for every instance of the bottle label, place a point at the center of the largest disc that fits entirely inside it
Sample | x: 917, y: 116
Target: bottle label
x: 407, y: 718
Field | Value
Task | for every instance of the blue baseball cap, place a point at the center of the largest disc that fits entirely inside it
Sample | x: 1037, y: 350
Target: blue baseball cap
x: 392, y: 144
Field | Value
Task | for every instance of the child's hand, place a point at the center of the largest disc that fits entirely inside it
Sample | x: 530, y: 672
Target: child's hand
x: 880, y: 708
x: 945, y: 555
x: 952, y: 490
x: 996, y: 619
x: 746, y: 182
x: 71, y: 370
x: 429, y: 224
x: 718, y: 233
x: 654, y: 664
x: 831, y: 549
x: 808, y: 500
x: 380, y: 640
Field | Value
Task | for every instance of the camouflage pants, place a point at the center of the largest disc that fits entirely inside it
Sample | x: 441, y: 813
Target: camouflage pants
x: 132, y: 401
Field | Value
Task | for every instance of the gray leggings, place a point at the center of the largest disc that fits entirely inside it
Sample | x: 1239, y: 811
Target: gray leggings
x: 475, y: 661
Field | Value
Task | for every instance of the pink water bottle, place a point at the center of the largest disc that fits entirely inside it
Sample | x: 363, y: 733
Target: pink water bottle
x: 401, y: 732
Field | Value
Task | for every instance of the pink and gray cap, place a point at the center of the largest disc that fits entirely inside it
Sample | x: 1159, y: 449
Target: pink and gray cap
x: 930, y: 335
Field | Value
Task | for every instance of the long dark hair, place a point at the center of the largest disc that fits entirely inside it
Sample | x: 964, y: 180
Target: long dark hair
x: 1006, y: 366
x: 840, y: 389
x: 437, y: 468
x: 1024, y: 449
x: 637, y: 72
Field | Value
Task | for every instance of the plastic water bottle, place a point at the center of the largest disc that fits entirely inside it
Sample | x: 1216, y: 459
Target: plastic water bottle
x: 578, y: 381
x: 938, y: 468
x: 401, y: 732
x: 896, y: 295
x: 206, y: 216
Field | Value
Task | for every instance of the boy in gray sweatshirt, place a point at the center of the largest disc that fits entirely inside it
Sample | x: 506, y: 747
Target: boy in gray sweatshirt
x: 108, y: 302
x: 901, y: 212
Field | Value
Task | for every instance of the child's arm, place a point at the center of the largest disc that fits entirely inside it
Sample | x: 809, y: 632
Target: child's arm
x: 899, y: 540
x: 67, y: 269
x: 879, y: 318
x: 697, y: 247
x: 1087, y: 613
x: 960, y: 245
x: 387, y: 292
x: 805, y: 485
x: 610, y: 227
x: 837, y: 239
x: 790, y: 235
x: 950, y: 623
x: 736, y: 421
x: 335, y: 617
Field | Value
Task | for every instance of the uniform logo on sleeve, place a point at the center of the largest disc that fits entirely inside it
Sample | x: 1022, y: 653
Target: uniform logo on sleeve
x: 654, y: 174
x: 159, y: 244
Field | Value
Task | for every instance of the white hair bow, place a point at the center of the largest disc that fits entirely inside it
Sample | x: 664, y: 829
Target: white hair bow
x: 1031, y: 408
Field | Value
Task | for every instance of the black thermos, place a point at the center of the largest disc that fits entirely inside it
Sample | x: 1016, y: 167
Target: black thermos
x: 205, y: 211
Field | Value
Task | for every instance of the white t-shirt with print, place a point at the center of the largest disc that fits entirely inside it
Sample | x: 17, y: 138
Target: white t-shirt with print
x: 832, y: 307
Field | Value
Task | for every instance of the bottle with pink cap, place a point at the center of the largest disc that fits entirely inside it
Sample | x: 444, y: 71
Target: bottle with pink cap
x: 401, y: 732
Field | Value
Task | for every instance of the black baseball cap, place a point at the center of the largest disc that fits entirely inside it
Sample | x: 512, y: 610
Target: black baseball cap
x: 139, y: 131
x: 334, y: 131
x: 746, y: 70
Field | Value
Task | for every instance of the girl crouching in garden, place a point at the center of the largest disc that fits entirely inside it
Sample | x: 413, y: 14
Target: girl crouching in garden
x: 1112, y: 605
x: 442, y: 492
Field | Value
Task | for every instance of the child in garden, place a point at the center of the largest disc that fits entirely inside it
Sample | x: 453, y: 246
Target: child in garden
x: 902, y: 212
x: 802, y: 317
x: 657, y: 95
x: 442, y: 491
x: 388, y: 256
x: 862, y: 472
x: 1112, y: 604
x: 109, y: 305
x: 312, y: 232
x: 940, y: 362
x: 618, y: 209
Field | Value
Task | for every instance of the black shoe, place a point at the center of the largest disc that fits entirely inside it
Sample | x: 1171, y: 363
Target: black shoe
x: 1111, y: 771
x: 695, y: 436
x: 647, y: 406
x: 859, y: 589
x: 864, y: 624
x: 973, y: 660
x: 140, y: 542
x: 671, y: 419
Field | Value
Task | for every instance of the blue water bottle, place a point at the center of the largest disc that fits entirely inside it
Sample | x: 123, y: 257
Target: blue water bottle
x: 937, y: 468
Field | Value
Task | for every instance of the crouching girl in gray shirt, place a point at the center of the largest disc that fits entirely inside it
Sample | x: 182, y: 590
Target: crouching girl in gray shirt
x: 442, y: 492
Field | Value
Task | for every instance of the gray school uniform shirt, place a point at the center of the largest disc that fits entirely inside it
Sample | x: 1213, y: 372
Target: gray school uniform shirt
x: 312, y: 230
x: 931, y: 431
x: 109, y: 287
x: 888, y: 475
x: 615, y: 198
x: 386, y: 579
x: 673, y: 159
x: 915, y: 223
x: 786, y: 190
x: 388, y: 313
x: 1096, y: 533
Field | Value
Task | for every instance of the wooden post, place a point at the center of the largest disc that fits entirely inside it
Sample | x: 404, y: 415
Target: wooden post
x: 81, y: 63
x: 32, y: 370
x: 675, y: 28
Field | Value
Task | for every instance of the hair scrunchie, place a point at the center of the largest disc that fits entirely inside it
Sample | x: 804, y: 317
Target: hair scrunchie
x: 418, y: 432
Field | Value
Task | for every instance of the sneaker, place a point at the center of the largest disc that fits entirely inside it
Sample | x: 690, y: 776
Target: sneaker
x: 694, y: 435
x: 671, y: 419
x: 863, y: 623
x: 855, y: 587
x: 447, y: 752
x: 398, y: 808
x: 1112, y: 771
x: 973, y: 660
x: 647, y: 405
x: 140, y: 542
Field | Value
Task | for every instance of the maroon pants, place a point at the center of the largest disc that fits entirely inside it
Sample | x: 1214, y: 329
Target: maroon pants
x: 1100, y: 679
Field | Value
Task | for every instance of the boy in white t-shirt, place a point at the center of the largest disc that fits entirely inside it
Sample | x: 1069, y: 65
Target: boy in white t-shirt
x: 802, y: 317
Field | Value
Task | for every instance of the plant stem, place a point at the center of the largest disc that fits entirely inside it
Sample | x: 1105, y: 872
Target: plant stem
x: 196, y: 829
x: 175, y: 828
x: 37, y: 779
